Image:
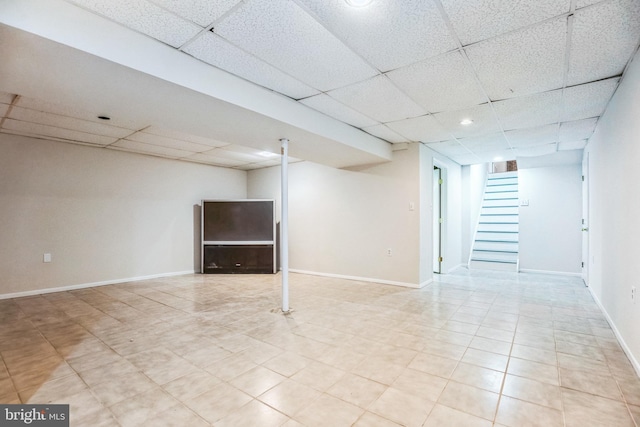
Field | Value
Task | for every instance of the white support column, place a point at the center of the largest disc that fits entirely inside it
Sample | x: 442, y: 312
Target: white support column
x: 284, y: 224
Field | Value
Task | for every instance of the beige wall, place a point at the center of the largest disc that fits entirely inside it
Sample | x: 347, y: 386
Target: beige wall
x: 103, y: 215
x: 343, y: 221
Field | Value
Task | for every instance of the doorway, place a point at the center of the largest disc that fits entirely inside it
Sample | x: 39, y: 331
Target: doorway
x: 437, y: 220
x: 585, y: 219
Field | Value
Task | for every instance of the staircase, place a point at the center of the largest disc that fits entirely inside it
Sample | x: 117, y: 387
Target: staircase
x: 496, y: 242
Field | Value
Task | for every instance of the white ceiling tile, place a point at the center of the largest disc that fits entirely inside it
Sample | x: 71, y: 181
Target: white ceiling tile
x: 64, y: 110
x: 588, y: 100
x: 449, y: 148
x: 533, y: 136
x: 379, y: 99
x: 604, y: 38
x: 6, y: 98
x: 537, y: 150
x: 329, y: 106
x: 164, y: 141
x: 529, y: 111
x: 383, y: 132
x: 572, y: 145
x: 423, y: 128
x: 388, y: 34
x: 64, y: 122
x: 145, y: 17
x: 440, y: 84
x: 522, y: 62
x: 143, y: 148
x: 475, y: 20
x: 465, y: 159
x: 214, y: 50
x: 202, y: 12
x: 495, y: 156
x: 577, y: 130
x: 285, y: 36
x: 154, y: 130
x: 237, y: 152
x: 583, y: 3
x: 45, y: 131
x: 212, y: 160
x: 484, y: 121
x: 483, y: 143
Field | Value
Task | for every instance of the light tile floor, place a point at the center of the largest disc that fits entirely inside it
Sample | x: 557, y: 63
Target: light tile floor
x: 481, y: 349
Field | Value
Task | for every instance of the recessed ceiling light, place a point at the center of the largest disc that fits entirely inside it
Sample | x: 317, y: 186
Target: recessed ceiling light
x: 267, y: 154
x: 358, y: 3
x: 104, y: 117
x: 466, y: 122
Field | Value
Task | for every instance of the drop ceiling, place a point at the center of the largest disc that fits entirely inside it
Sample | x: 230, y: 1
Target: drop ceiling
x: 345, y: 85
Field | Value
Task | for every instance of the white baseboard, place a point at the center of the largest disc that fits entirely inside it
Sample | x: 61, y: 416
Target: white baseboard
x: 555, y: 273
x: 91, y: 285
x: 623, y: 344
x: 452, y: 269
x: 362, y: 279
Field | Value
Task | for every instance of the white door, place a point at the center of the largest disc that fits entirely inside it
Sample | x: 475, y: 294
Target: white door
x: 585, y: 220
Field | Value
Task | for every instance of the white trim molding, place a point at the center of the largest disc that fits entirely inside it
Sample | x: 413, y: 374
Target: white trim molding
x: 91, y: 285
x: 364, y: 279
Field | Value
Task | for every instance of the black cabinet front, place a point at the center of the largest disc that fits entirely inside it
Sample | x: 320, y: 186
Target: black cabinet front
x: 225, y: 259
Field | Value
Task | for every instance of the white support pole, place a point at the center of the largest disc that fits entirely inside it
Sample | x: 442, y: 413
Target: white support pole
x: 284, y: 224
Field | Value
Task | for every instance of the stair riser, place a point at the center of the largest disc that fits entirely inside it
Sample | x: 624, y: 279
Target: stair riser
x: 511, y: 219
x: 496, y: 246
x: 504, y: 203
x: 509, y: 210
x: 507, y: 197
x: 496, y: 236
x: 501, y: 188
x: 502, y: 181
x: 493, y: 266
x: 497, y: 227
x: 495, y: 256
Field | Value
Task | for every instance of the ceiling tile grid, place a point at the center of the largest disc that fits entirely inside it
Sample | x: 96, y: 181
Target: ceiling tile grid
x: 492, y: 142
x: 449, y: 148
x: 64, y: 122
x: 484, y: 121
x: 184, y: 137
x: 476, y: 20
x: 382, y: 131
x: 440, y: 84
x: 46, y: 131
x: 145, y: 17
x: 537, y: 150
x: 547, y: 134
x: 142, y: 147
x: 388, y: 34
x: 577, y: 130
x: 587, y: 100
x: 522, y: 62
x: 604, y: 38
x: 202, y: 12
x: 216, y: 51
x: 529, y: 111
x: 379, y: 99
x: 329, y: 106
x: 284, y: 35
x: 163, y: 141
x: 423, y: 128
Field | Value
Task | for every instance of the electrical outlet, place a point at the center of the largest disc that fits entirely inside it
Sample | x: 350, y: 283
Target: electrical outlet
x: 389, y: 252
x: 633, y: 294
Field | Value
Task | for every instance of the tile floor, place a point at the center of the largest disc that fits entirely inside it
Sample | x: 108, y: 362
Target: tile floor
x: 481, y: 349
